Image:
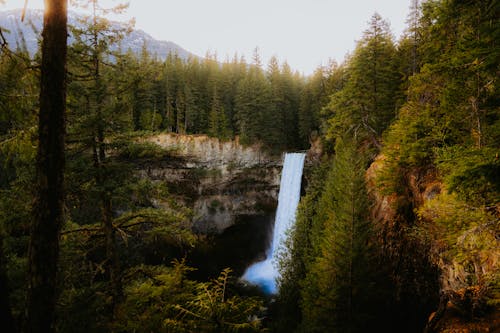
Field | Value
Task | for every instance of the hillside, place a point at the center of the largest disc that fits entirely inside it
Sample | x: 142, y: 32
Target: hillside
x: 26, y: 34
x: 137, y: 193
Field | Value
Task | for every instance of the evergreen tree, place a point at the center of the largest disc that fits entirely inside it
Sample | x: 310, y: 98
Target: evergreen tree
x: 95, y: 122
x: 140, y: 74
x: 314, y: 95
x: 291, y: 91
x: 19, y: 97
x: 6, y: 318
x: 339, y: 290
x: 367, y: 103
x: 275, y: 121
x: 254, y: 107
x: 298, y: 254
x: 48, y: 210
x: 219, y: 126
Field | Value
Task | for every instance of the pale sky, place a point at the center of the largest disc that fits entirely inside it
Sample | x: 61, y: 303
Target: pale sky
x: 305, y: 33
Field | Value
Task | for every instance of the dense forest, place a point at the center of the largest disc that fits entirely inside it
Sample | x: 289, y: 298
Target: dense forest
x: 398, y: 229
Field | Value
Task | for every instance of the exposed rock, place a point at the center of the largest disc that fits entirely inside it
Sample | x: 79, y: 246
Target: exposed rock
x: 462, y: 312
x: 315, y: 151
x: 419, y: 258
x: 406, y: 259
x: 213, y: 153
x: 218, y: 180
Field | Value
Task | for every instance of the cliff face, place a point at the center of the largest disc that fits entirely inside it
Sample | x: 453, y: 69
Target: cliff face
x: 413, y: 277
x: 220, y: 181
x: 437, y: 264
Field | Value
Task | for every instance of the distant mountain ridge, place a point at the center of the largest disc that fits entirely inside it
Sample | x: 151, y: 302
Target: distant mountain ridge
x: 20, y: 35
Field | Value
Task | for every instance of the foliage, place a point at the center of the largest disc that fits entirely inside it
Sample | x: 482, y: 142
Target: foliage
x: 214, y: 310
x: 463, y: 236
x: 140, y: 150
x: 367, y: 102
x: 341, y: 283
x: 164, y: 300
x: 299, y: 251
x: 444, y: 135
x: 428, y: 103
x: 471, y: 173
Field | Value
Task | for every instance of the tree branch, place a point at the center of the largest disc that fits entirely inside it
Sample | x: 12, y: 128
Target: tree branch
x: 84, y: 229
x: 3, y: 41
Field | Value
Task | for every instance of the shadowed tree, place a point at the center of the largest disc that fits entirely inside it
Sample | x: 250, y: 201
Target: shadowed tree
x: 92, y: 54
x: 6, y: 319
x: 48, y: 212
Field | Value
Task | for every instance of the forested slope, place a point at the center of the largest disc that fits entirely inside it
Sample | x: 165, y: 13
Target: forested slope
x: 398, y: 230
x: 407, y: 221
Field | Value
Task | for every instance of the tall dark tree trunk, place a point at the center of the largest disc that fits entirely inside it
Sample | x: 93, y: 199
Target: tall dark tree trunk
x: 6, y: 320
x: 48, y: 210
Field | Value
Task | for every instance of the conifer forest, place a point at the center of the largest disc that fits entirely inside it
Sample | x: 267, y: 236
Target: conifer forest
x: 110, y: 221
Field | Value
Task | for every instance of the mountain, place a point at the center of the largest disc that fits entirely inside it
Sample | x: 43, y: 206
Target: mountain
x: 20, y: 35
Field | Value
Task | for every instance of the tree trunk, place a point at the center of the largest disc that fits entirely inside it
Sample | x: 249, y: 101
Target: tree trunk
x: 113, y: 263
x: 112, y: 260
x: 48, y: 210
x: 6, y: 319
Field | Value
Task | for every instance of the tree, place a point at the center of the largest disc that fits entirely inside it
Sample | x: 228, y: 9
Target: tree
x: 48, y: 210
x: 300, y: 249
x: 367, y: 103
x: 141, y: 77
x: 219, y: 126
x: 214, y: 309
x: 6, y: 318
x: 413, y: 34
x: 254, y: 106
x: 315, y: 95
x: 292, y: 83
x: 340, y: 287
x: 91, y: 53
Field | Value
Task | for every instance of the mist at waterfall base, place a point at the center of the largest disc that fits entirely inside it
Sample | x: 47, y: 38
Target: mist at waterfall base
x: 265, y: 273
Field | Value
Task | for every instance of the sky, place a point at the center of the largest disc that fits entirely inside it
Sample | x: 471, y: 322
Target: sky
x: 305, y: 33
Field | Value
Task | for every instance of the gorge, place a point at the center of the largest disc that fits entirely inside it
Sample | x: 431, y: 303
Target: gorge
x: 230, y: 189
x: 172, y: 182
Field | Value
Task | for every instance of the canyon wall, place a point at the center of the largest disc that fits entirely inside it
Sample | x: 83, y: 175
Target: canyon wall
x: 440, y: 272
x: 220, y: 181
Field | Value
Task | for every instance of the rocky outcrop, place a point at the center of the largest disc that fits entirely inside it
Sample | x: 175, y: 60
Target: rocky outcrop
x: 431, y: 257
x: 219, y: 180
x: 405, y: 259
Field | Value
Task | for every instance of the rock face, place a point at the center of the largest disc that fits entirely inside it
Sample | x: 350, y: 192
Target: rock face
x: 220, y: 181
x: 428, y: 273
x: 406, y: 260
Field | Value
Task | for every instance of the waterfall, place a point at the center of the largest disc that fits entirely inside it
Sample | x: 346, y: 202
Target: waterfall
x: 265, y: 273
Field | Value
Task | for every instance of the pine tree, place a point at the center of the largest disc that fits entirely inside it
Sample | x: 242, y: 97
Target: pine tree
x: 339, y: 288
x: 367, y: 103
x: 296, y: 259
x: 219, y: 126
x: 91, y: 54
x: 139, y: 75
x: 48, y: 210
x: 292, y: 84
x: 275, y: 119
x: 254, y: 107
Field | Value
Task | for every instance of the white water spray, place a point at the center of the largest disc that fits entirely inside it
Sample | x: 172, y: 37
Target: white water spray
x: 265, y: 273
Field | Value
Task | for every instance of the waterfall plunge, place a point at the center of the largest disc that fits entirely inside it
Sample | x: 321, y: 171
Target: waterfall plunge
x: 265, y: 273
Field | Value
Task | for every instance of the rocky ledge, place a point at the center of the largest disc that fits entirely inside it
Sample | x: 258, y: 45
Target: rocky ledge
x: 220, y: 180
